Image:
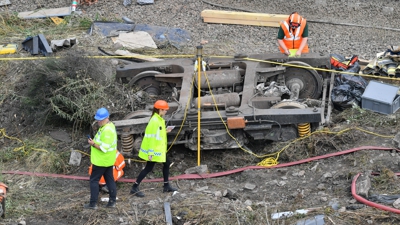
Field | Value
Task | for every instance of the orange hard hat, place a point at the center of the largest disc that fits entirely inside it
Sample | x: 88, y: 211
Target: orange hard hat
x: 161, y: 104
x: 295, y: 18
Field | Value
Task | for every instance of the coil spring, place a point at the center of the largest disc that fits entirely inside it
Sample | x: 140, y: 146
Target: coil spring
x: 304, y: 129
x: 127, y: 142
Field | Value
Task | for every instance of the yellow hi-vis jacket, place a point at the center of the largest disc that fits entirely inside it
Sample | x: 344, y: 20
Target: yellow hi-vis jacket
x: 294, y: 37
x: 118, y: 167
x: 155, y: 140
x: 106, y: 138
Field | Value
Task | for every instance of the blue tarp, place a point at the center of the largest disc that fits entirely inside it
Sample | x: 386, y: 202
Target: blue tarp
x: 162, y: 36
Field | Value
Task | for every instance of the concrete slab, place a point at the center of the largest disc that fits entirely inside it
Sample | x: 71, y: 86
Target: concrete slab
x: 5, y: 2
x: 43, y: 13
x: 134, y: 40
x: 75, y: 158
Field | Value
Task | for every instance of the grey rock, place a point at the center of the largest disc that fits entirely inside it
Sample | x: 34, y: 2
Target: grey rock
x: 75, y: 158
x: 197, y: 170
x: 396, y: 203
x: 127, y: 2
x: 363, y: 185
x: 202, y: 188
x: 249, y: 186
x: 218, y: 194
x: 145, y: 2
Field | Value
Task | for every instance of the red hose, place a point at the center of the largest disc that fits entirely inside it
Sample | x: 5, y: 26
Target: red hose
x: 210, y: 175
x: 224, y: 173
x: 369, y: 203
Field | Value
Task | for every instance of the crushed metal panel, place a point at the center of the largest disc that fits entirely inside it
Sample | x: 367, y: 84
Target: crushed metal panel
x: 44, y: 13
x: 5, y: 2
x: 63, y: 43
x: 37, y: 44
x: 31, y: 45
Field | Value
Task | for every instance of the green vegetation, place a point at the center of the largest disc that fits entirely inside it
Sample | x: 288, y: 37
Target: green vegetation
x: 12, y: 27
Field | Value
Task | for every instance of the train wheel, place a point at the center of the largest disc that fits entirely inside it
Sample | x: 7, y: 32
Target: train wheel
x: 147, y: 82
x: 308, y: 79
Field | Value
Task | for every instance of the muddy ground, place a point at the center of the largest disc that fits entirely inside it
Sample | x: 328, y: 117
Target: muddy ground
x: 247, y: 197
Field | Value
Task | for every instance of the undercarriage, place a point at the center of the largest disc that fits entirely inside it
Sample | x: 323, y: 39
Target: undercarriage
x: 242, y: 99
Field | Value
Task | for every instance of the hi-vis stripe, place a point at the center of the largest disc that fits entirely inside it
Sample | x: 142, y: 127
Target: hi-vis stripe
x: 292, y: 37
x: 104, y: 146
x: 156, y: 136
x: 151, y: 151
x: 121, y: 164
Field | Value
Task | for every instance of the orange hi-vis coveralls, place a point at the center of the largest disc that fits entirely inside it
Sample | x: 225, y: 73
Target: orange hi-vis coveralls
x: 118, y: 171
x: 293, y: 37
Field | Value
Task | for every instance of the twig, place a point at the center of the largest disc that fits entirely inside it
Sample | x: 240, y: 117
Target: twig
x: 266, y: 213
x: 130, y: 218
x: 201, y: 214
x: 331, y: 220
x: 136, y: 212
x: 237, y: 214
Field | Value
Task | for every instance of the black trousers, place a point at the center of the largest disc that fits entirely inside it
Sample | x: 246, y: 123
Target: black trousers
x: 149, y: 167
x: 97, y: 172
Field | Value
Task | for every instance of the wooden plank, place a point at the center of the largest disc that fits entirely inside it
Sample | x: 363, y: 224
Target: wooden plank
x: 241, y: 22
x: 43, y: 13
x: 137, y: 56
x: 243, y: 16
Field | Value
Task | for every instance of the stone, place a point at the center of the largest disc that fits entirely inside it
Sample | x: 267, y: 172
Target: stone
x: 321, y: 187
x: 197, y: 170
x: 363, y: 185
x: 145, y: 2
x: 249, y: 186
x: 396, y: 203
x: 218, y: 194
x: 229, y: 193
x: 396, y: 140
x: 75, y: 158
x: 248, y: 202
x: 202, y: 188
x: 388, y: 10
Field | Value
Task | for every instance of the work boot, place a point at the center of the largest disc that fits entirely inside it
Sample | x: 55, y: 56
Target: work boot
x: 90, y: 206
x: 111, y: 204
x: 104, y: 188
x: 168, y: 188
x: 135, y: 191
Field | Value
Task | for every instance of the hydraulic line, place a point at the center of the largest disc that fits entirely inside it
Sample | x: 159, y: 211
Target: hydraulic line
x: 213, y: 175
x: 369, y: 203
x: 225, y: 173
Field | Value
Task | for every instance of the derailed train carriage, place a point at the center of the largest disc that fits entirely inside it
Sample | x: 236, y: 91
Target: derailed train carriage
x: 242, y: 99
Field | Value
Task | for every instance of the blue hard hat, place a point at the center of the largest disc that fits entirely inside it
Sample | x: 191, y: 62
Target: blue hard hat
x: 101, y: 114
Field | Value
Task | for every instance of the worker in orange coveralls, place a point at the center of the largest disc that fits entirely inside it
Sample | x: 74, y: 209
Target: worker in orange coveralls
x: 118, y: 171
x: 3, y: 195
x: 293, y: 35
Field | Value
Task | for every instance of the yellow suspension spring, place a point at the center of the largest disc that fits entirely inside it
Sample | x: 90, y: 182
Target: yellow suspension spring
x: 127, y: 142
x: 304, y: 129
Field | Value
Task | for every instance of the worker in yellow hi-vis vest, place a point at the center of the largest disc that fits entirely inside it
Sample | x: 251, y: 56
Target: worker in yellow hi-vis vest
x: 154, y: 147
